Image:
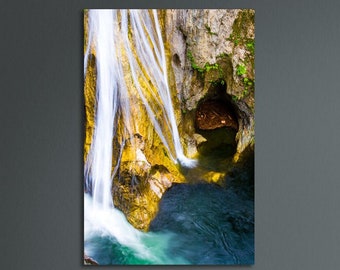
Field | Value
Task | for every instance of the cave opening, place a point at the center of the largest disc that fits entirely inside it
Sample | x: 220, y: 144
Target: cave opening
x: 216, y: 121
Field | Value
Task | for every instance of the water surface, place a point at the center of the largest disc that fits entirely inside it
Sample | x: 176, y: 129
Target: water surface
x: 196, y: 224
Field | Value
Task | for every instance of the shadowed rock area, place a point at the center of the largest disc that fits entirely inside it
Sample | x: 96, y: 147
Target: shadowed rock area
x: 213, y: 114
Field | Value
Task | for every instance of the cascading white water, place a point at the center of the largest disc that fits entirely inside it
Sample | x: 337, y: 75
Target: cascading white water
x: 99, y: 162
x: 156, y: 65
x: 109, y: 36
x: 144, y: 57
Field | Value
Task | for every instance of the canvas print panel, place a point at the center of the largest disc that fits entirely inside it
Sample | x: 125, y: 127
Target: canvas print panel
x: 169, y: 143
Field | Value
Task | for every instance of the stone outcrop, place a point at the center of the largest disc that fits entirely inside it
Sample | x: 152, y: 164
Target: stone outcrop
x: 143, y: 176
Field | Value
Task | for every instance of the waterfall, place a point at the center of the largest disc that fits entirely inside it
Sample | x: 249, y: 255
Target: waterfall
x: 155, y: 63
x: 131, y: 65
x: 99, y: 161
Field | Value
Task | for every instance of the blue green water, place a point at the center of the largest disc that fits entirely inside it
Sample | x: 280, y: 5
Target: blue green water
x: 212, y: 225
x: 196, y: 224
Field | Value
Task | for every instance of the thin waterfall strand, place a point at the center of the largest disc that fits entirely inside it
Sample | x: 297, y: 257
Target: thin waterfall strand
x: 168, y: 105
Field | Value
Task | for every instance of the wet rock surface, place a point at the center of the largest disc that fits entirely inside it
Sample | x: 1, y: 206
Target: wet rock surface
x: 141, y: 182
x: 89, y: 261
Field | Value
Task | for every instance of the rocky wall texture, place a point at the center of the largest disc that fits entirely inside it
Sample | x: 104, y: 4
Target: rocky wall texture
x: 212, y: 56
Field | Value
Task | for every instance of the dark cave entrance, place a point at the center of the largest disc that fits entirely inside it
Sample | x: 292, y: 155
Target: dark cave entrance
x: 217, y: 122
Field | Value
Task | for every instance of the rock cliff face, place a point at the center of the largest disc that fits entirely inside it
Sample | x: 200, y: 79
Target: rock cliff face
x: 210, y: 57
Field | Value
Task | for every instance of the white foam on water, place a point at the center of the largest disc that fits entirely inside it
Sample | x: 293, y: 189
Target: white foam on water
x: 110, y: 222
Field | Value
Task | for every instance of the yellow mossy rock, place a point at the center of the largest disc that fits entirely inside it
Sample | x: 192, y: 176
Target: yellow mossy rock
x: 214, y: 177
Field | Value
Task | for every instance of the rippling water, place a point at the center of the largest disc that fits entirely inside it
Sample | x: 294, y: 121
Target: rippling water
x: 212, y: 225
x: 196, y: 224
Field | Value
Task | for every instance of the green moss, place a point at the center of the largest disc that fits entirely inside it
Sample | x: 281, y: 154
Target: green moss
x: 222, y: 55
x: 217, y: 82
x: 240, y: 29
x: 193, y: 63
x: 250, y: 43
x: 235, y: 98
x: 248, y: 83
x: 207, y: 27
x: 207, y: 66
x: 241, y: 69
x: 241, y: 38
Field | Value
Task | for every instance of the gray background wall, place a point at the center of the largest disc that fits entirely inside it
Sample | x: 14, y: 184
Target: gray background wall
x: 297, y: 133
